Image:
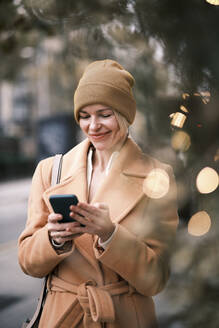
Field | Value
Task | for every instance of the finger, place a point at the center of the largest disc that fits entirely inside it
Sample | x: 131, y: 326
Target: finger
x: 61, y: 234
x: 77, y: 210
x: 91, y: 209
x: 81, y: 219
x: 63, y: 226
x: 71, y: 226
x: 71, y: 237
x: 85, y: 210
x: 56, y: 227
x: 54, y: 217
x: 65, y: 234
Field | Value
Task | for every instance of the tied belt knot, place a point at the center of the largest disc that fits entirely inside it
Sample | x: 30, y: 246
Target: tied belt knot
x: 96, y: 301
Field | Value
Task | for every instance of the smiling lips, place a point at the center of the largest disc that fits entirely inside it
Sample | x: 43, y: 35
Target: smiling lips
x: 99, y: 135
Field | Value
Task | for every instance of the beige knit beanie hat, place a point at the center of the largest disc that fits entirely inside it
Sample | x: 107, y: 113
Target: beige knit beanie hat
x: 106, y: 82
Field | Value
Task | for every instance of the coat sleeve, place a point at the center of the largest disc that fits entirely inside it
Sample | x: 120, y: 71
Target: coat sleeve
x: 141, y: 246
x: 35, y: 252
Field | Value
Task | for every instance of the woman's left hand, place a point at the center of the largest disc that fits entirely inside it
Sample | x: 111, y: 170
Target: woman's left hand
x: 95, y: 217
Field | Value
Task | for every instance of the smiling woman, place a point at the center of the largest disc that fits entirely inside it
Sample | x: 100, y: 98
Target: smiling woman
x: 114, y: 256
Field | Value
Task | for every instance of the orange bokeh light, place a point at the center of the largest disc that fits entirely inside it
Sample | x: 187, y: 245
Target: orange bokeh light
x: 213, y: 2
x: 178, y: 119
x: 207, y: 180
x: 180, y: 141
x: 199, y: 224
x: 156, y: 184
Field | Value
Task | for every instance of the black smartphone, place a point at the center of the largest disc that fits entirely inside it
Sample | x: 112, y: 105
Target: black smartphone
x: 61, y: 204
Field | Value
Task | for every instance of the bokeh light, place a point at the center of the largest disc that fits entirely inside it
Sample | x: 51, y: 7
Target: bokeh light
x: 204, y: 95
x: 184, y: 109
x: 207, y: 180
x: 185, y: 95
x: 180, y: 141
x: 156, y: 184
x: 199, y: 224
x: 213, y: 2
x: 178, y: 119
x: 216, y: 156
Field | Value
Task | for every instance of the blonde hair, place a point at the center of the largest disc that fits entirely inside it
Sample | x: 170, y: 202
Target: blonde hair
x: 122, y: 121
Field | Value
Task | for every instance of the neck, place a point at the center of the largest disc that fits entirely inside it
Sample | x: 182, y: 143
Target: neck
x: 102, y: 157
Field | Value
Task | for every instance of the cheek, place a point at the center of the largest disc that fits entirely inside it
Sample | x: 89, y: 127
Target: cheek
x: 83, y: 125
x: 114, y: 126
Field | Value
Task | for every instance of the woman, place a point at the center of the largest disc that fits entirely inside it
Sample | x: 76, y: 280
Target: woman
x: 102, y: 273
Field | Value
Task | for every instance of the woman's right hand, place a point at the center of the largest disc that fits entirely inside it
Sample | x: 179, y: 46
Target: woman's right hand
x: 62, y: 232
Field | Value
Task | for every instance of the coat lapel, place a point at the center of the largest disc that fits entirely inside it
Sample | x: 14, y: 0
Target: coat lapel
x: 123, y: 187
x: 76, y: 184
x: 74, y: 175
x: 74, y: 181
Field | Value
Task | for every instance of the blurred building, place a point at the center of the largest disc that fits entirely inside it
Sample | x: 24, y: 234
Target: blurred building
x: 35, y: 119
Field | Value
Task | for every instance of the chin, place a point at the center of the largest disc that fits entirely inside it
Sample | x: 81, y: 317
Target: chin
x: 99, y: 146
x: 102, y: 145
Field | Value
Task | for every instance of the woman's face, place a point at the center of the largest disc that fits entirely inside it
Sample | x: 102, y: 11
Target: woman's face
x: 99, y: 124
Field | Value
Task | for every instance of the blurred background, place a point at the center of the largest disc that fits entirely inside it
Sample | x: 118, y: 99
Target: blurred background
x: 172, y: 49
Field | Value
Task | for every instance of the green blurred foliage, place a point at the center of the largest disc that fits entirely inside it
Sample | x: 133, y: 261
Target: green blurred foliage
x: 17, y: 31
x: 187, y: 31
x: 189, y: 34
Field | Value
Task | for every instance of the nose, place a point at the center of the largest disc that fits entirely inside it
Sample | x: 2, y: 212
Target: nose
x: 94, y: 124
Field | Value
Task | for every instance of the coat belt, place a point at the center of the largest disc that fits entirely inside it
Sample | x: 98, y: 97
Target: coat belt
x: 96, y: 301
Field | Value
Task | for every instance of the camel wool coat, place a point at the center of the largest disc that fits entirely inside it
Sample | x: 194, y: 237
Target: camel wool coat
x: 89, y: 287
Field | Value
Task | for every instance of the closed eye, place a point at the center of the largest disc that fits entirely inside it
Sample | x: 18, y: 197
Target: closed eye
x: 83, y: 116
x: 105, y: 115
